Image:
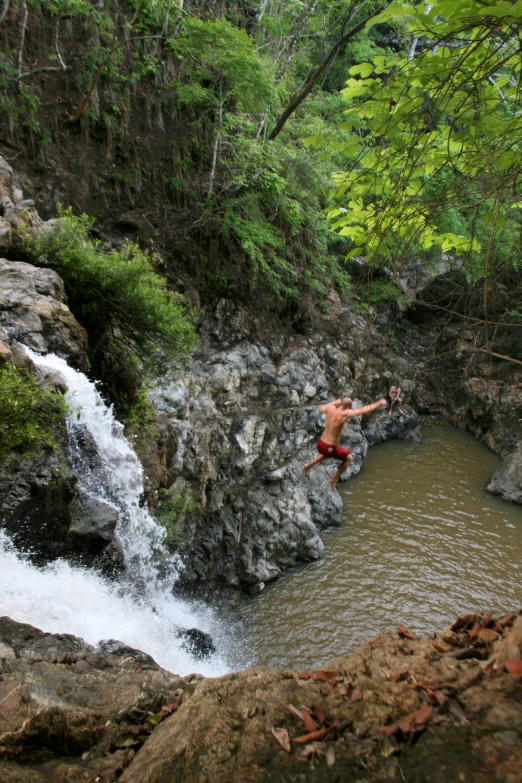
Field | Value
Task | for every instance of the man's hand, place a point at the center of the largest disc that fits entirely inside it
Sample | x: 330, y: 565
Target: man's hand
x: 383, y: 401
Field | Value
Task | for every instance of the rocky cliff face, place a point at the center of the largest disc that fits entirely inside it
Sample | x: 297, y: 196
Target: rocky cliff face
x: 40, y: 504
x: 242, y: 420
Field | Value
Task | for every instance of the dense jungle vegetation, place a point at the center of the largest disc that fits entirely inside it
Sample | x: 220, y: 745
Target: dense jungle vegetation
x: 180, y: 124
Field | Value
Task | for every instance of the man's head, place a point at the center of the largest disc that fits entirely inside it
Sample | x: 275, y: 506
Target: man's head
x: 346, y: 402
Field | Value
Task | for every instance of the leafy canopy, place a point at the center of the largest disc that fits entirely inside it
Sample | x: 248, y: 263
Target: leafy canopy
x: 453, y: 110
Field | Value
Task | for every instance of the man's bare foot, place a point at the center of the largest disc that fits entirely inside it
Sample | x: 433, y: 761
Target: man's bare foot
x: 389, y: 413
x: 333, y: 485
x: 305, y: 470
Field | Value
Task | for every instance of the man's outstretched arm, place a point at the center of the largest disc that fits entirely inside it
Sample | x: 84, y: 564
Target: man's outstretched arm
x: 324, y: 408
x: 368, y: 408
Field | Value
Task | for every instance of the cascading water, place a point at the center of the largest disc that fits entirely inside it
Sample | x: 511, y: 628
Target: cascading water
x: 139, y: 609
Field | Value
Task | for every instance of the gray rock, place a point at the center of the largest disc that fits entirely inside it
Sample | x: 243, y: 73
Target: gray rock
x: 6, y: 178
x: 93, y: 518
x: 66, y: 703
x: 507, y: 480
x: 33, y: 312
x: 5, y: 235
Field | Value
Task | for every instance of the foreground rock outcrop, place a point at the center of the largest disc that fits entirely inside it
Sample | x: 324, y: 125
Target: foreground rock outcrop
x: 399, y: 709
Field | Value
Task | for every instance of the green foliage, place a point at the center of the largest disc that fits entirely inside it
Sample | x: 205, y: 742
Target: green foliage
x: 174, y: 504
x: 453, y: 107
x: 29, y: 415
x: 206, y: 82
x: 116, y: 293
x: 140, y: 413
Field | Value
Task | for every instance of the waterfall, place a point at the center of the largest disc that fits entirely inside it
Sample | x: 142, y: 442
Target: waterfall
x: 138, y: 609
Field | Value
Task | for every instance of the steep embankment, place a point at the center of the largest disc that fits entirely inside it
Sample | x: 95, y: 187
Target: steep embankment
x: 399, y: 709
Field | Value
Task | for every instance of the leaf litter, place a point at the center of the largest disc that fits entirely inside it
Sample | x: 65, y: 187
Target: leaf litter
x: 470, y: 636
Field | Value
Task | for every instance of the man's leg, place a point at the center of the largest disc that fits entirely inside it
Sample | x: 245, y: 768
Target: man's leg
x: 391, y: 407
x: 315, y: 461
x: 339, y: 472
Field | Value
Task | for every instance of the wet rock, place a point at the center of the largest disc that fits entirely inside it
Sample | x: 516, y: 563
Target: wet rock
x: 198, y: 643
x: 115, y: 647
x: 507, y: 481
x: 67, y: 707
x: 35, y: 494
x: 33, y: 312
x: 241, y: 422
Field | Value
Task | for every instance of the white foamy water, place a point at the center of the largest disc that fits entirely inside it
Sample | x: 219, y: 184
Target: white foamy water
x: 140, y: 609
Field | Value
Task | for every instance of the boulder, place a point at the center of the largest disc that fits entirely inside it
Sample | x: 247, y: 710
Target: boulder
x: 33, y: 312
x: 507, y: 480
x: 198, y: 643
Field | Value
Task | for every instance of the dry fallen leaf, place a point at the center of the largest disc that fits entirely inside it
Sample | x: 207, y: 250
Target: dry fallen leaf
x: 320, y: 715
x: 457, y: 710
x: 321, y: 674
x: 315, y: 735
x: 312, y: 750
x: 281, y: 735
x: 487, y: 635
x: 295, y: 712
x: 440, y: 648
x: 467, y: 621
x: 417, y: 718
x: 514, y: 666
x: 403, y: 631
x: 397, y: 676
x: 472, y: 632
x: 309, y: 722
x: 506, y: 620
x: 356, y: 695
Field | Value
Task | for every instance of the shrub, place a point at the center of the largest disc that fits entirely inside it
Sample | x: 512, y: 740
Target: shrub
x: 29, y: 415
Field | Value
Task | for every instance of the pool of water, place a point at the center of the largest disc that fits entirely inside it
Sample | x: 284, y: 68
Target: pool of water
x: 421, y: 542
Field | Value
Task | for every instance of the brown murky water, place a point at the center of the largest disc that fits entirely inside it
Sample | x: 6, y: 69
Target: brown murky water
x: 422, y: 541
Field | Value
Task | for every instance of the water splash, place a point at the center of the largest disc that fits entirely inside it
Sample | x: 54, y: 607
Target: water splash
x: 139, y: 609
x: 61, y: 598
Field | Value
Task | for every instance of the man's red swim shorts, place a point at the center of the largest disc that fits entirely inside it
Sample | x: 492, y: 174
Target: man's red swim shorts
x: 336, y: 452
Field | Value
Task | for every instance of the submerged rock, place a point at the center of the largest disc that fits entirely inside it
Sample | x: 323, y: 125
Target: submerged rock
x: 198, y: 643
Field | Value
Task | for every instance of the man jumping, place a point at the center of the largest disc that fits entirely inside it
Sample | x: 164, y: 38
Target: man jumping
x: 337, y: 414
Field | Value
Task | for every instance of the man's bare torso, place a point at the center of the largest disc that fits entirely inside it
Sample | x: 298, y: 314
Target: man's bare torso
x: 336, y: 418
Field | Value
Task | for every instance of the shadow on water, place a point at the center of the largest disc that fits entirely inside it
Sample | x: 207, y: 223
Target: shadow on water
x: 422, y: 541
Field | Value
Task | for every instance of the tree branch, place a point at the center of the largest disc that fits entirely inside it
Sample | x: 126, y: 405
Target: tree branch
x: 25, y: 14
x: 5, y: 9
x: 305, y: 90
